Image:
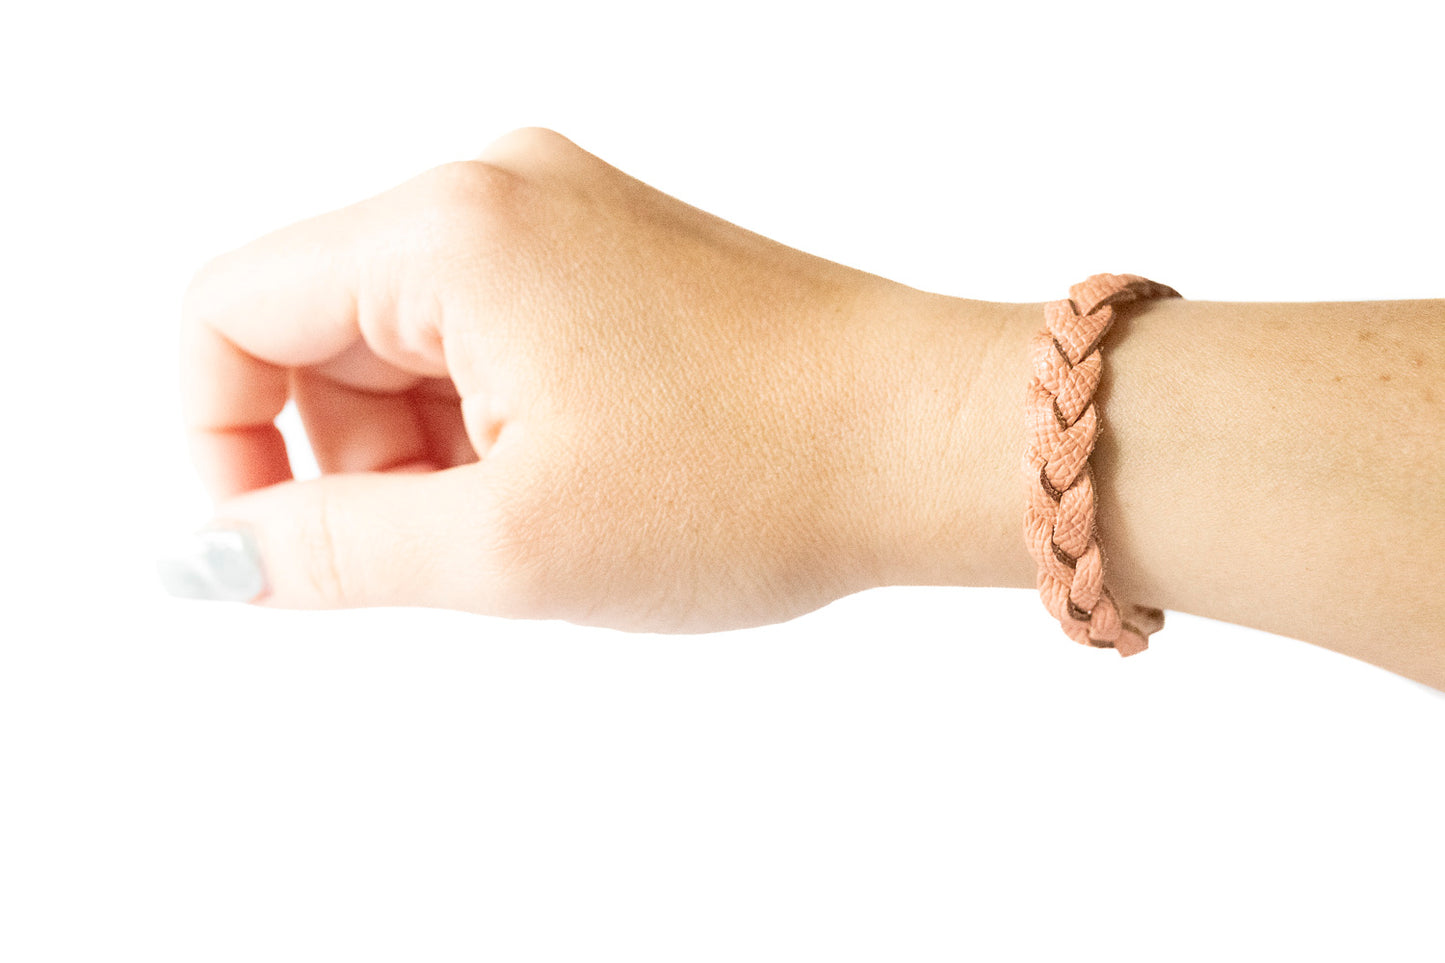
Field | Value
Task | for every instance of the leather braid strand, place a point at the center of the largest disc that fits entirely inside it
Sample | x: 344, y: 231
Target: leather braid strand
x: 1062, y: 426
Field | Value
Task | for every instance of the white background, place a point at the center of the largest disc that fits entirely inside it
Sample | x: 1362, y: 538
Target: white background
x: 909, y: 774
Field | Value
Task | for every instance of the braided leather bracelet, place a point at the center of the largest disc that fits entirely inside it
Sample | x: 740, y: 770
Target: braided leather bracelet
x: 1063, y: 424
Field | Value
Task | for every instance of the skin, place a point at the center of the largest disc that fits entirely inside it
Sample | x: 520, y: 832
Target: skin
x: 538, y: 388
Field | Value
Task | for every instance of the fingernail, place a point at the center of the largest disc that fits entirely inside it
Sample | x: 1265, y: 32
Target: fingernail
x: 219, y: 562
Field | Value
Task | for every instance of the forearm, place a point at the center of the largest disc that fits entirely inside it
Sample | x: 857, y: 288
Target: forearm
x: 1276, y: 465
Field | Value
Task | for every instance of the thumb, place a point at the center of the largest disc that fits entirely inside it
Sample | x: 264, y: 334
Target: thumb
x: 349, y: 540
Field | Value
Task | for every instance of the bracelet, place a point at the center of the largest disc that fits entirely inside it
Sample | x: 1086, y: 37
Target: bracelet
x: 1062, y: 426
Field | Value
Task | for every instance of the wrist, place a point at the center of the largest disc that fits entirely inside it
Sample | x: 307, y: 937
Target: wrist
x: 944, y: 381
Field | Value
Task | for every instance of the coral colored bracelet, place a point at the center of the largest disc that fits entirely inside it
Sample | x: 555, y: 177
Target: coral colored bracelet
x: 1062, y: 426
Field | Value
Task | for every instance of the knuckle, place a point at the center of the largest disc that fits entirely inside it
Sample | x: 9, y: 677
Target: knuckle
x: 468, y: 185
x: 530, y: 147
x: 466, y: 201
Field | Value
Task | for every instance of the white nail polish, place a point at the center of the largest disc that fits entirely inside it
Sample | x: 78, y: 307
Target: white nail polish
x: 219, y: 562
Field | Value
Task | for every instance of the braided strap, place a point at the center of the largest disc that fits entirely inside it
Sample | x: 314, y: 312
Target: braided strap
x: 1063, y: 424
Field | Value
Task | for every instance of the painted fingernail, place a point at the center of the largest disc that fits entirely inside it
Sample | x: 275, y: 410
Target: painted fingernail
x: 219, y: 562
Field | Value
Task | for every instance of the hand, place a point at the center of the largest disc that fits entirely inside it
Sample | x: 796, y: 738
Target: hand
x: 538, y: 388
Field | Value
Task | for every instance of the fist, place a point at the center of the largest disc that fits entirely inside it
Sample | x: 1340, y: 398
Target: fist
x: 538, y: 388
